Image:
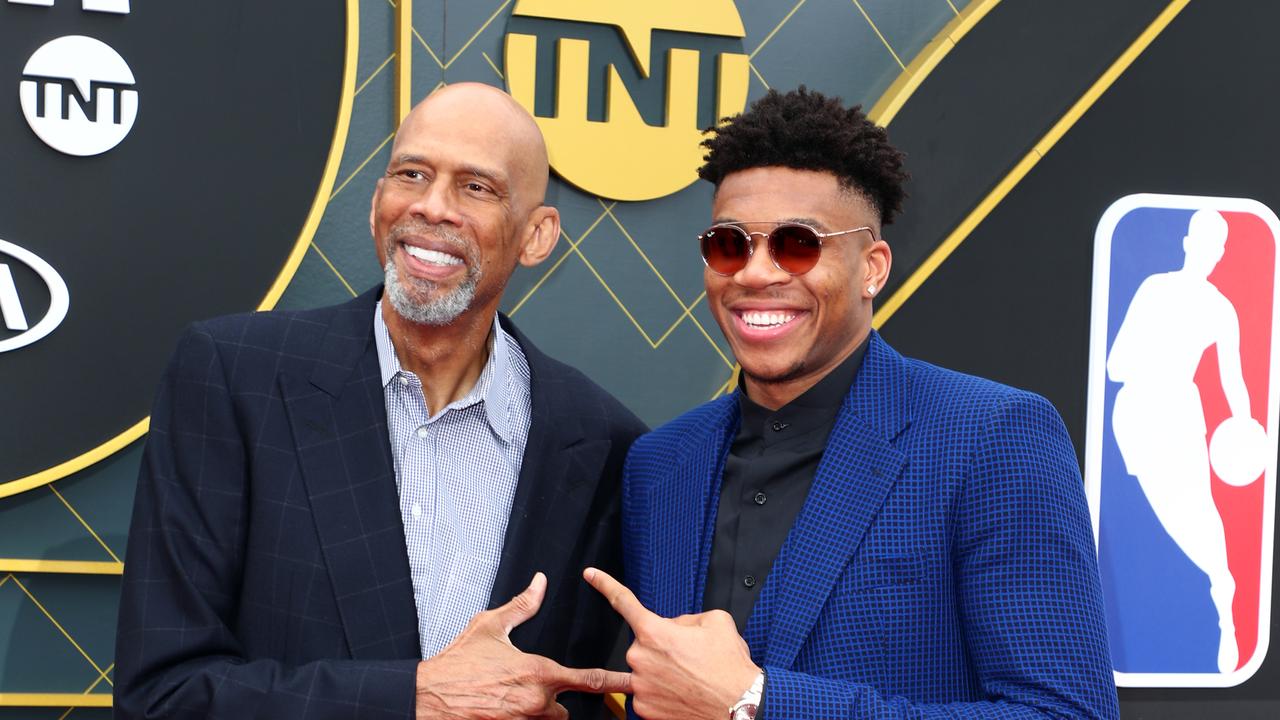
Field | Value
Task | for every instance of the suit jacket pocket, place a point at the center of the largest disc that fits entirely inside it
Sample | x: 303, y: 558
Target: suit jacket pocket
x: 867, y: 610
x: 881, y: 570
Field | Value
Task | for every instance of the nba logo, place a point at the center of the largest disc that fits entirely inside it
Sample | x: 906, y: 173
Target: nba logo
x: 1180, y: 452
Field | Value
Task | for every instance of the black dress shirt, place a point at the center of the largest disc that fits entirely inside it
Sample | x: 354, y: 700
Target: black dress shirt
x: 766, y: 480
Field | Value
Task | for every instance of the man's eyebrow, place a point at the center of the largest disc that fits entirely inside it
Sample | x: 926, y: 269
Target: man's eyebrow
x: 493, y: 176
x: 813, y: 222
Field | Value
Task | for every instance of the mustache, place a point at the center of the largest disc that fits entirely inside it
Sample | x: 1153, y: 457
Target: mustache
x: 763, y: 294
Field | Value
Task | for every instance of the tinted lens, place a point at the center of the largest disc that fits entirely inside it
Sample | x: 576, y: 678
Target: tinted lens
x: 725, y: 249
x: 794, y: 248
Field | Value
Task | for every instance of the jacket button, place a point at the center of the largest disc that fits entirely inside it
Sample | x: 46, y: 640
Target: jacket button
x: 760, y: 498
x: 749, y: 581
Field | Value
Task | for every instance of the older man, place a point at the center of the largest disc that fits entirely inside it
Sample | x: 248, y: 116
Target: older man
x: 852, y: 534
x: 330, y: 500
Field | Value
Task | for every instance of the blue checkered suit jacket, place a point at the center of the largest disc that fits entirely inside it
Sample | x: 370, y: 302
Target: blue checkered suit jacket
x: 267, y: 574
x: 942, y: 565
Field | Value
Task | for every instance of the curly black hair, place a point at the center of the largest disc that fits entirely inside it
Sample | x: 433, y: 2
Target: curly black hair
x: 806, y: 130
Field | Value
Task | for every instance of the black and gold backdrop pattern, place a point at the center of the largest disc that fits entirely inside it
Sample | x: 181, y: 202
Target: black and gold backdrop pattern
x: 985, y: 96
x: 621, y: 297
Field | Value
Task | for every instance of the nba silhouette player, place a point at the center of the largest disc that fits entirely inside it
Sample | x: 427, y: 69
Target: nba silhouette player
x: 1159, y: 418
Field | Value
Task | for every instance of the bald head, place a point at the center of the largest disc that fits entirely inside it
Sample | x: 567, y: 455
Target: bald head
x: 475, y: 115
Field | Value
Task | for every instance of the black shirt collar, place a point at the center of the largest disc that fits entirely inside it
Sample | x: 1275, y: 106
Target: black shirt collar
x: 814, y: 408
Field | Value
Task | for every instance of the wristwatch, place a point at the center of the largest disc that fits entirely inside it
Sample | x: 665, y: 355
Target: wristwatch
x: 749, y: 704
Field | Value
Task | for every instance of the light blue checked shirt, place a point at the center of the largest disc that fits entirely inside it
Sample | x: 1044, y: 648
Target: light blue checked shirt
x: 456, y: 473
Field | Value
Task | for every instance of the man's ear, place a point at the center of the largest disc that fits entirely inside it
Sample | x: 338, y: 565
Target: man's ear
x: 373, y: 217
x: 373, y: 205
x: 879, y: 259
x: 540, y: 235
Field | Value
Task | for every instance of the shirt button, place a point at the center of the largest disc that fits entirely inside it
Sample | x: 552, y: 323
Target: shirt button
x: 779, y: 426
x: 404, y: 380
x: 760, y: 498
x: 422, y: 431
x: 749, y: 581
x: 416, y: 510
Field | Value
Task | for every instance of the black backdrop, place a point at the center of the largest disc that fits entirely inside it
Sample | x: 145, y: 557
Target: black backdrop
x: 191, y: 216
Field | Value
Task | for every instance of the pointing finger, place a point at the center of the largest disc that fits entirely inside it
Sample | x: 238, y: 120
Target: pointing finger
x: 591, y: 680
x: 623, y: 601
x: 523, y: 606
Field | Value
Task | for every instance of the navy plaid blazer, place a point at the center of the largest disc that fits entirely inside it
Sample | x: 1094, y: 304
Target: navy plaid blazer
x: 267, y: 574
x: 943, y: 564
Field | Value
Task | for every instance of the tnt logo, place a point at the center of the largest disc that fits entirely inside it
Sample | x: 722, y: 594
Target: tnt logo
x: 622, y: 155
x: 14, y: 313
x: 77, y: 92
x: 1180, y: 455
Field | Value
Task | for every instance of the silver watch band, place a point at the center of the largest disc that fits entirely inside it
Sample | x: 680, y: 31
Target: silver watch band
x: 749, y: 704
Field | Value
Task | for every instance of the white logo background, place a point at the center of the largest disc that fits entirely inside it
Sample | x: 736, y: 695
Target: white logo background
x: 78, y: 65
x: 12, y: 315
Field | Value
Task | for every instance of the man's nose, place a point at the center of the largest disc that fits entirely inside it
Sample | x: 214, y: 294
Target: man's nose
x: 760, y: 270
x: 437, y: 204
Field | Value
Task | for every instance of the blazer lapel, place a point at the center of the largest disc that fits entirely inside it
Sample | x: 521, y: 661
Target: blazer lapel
x: 684, y: 512
x: 339, y: 423
x: 858, y: 468
x: 554, y: 491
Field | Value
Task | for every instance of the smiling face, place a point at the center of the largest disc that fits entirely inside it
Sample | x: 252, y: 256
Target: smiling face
x: 461, y: 204
x: 789, y: 331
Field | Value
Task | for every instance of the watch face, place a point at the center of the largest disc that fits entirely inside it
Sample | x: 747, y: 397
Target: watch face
x: 744, y: 712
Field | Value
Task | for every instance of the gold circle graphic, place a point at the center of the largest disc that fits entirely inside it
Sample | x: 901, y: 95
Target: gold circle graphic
x: 623, y: 157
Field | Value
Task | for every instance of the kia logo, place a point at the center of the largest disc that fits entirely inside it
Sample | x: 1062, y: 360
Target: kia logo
x: 12, y: 314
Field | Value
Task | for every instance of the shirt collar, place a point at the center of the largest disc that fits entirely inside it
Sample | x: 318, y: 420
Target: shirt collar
x: 813, y: 407
x: 490, y: 387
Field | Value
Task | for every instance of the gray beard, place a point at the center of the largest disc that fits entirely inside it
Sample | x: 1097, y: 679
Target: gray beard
x: 440, y: 311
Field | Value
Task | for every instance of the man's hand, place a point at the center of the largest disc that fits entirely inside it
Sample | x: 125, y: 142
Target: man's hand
x: 482, y: 676
x: 693, y: 666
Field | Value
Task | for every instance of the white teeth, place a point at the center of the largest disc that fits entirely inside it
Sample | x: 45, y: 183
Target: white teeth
x: 756, y: 318
x: 434, y: 257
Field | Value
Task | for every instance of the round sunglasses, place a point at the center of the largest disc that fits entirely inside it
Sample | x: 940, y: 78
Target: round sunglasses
x: 794, y: 247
